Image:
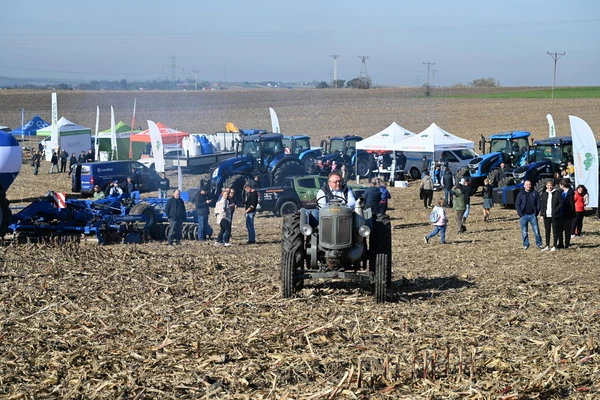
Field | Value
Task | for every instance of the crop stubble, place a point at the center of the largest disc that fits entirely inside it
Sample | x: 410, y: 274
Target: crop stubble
x: 477, y: 318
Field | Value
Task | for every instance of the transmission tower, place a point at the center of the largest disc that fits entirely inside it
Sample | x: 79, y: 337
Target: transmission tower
x: 433, y: 71
x: 554, y: 56
x: 429, y: 64
x: 363, y: 67
x: 335, y: 75
x: 196, y: 71
x: 173, y: 67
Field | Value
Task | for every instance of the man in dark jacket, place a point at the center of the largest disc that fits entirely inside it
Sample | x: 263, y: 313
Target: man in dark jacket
x: 54, y: 162
x: 37, y: 159
x: 81, y: 158
x: 175, y: 211
x: 251, y: 204
x: 72, y: 162
x: 372, y: 196
x: 90, y: 156
x: 448, y: 182
x: 163, y: 186
x: 129, y: 186
x: 64, y: 156
x: 401, y: 161
x: 566, y: 214
x: 528, y: 206
x: 202, y: 203
x: 137, y: 181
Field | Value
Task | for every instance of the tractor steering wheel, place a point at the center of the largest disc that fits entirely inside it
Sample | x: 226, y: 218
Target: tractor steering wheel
x: 334, y: 197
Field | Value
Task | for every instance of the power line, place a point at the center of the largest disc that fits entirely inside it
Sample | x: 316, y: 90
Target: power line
x: 555, y: 56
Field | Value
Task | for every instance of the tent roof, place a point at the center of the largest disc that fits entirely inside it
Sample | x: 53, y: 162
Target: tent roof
x: 387, y: 139
x: 64, y: 125
x: 121, y: 127
x: 31, y: 127
x: 169, y: 135
x: 433, y: 139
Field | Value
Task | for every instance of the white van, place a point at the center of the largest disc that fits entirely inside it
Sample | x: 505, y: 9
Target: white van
x: 456, y: 159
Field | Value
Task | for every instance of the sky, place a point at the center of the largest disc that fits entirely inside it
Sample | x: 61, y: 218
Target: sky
x: 275, y: 40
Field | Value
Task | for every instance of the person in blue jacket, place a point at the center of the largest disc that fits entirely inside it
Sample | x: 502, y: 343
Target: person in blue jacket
x: 528, y: 206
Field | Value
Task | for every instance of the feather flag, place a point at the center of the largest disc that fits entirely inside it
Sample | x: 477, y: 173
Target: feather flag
x: 157, y: 147
x: 274, y: 121
x: 585, y: 158
x: 54, y: 141
x: 552, y: 131
x: 97, y: 141
x: 113, y: 135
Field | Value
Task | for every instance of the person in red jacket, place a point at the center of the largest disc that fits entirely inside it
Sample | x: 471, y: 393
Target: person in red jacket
x: 581, y: 200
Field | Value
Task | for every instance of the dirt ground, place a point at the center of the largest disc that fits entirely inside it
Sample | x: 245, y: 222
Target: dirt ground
x: 476, y: 318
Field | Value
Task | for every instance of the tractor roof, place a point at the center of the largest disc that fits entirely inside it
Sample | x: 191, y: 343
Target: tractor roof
x: 511, y: 135
x: 347, y: 137
x: 263, y: 137
x: 250, y: 132
x: 552, y: 141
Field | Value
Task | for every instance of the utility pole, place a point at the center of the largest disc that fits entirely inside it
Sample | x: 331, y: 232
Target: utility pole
x: 429, y: 64
x: 433, y: 71
x: 555, y: 56
x: 335, y: 75
x: 195, y: 71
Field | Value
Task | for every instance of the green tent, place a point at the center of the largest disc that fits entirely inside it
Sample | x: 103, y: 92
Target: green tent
x: 123, y: 133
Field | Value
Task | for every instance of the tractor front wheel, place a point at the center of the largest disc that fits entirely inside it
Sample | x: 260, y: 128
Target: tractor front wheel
x: 292, y: 256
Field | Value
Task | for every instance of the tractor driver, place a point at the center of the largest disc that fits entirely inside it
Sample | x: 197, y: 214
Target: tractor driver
x: 335, y: 188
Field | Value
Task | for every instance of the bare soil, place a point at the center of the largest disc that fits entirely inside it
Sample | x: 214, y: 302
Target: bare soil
x: 476, y: 318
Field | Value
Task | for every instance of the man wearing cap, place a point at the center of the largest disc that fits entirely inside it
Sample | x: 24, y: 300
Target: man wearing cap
x: 175, y: 211
x: 115, y: 191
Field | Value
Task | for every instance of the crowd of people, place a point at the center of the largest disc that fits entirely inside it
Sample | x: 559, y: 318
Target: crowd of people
x: 63, y: 157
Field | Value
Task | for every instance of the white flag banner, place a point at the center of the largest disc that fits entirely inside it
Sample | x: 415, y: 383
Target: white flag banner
x: 551, y: 129
x: 179, y: 178
x: 274, y: 121
x: 157, y: 147
x: 585, y: 158
x: 54, y: 135
x: 113, y: 135
x: 97, y: 141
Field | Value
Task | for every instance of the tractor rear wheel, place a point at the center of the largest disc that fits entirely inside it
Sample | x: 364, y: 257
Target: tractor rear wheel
x: 493, y: 177
x: 540, y: 187
x: 506, y: 181
x: 462, y: 172
x: 381, y: 277
x: 292, y: 256
x: 237, y: 183
x: 362, y: 167
x: 288, y: 168
x: 308, y: 162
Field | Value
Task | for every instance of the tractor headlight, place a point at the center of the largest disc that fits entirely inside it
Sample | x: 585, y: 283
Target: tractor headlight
x: 215, y: 173
x: 364, y: 231
x: 306, y: 230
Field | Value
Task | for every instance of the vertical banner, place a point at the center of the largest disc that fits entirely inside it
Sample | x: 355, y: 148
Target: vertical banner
x: 552, y: 131
x: 97, y: 140
x: 113, y: 136
x: 22, y: 124
x: 179, y: 178
x: 133, y: 116
x: 274, y: 121
x: 157, y: 147
x: 585, y: 158
x: 54, y: 135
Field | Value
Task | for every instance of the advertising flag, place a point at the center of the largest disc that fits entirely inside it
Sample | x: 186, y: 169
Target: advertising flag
x: 113, y: 135
x: 22, y: 124
x: 97, y: 142
x: 274, y: 121
x: 585, y: 158
x: 157, y: 147
x: 133, y: 116
x: 552, y: 131
x: 54, y: 135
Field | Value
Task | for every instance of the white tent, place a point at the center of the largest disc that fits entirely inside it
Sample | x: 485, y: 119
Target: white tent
x: 387, y: 139
x: 434, y: 139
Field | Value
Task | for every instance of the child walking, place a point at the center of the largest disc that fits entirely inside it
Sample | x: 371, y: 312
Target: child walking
x: 439, y: 220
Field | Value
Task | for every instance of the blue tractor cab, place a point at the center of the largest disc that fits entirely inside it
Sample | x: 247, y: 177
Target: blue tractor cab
x: 546, y: 157
x: 510, y: 148
x: 299, y: 145
x: 342, y: 150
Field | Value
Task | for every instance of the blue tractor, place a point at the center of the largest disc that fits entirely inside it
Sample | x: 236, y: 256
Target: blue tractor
x: 299, y: 145
x: 342, y: 150
x: 509, y: 148
x: 546, y: 158
x: 261, y: 155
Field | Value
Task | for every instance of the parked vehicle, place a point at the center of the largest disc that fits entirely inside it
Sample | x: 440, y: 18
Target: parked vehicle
x: 510, y: 148
x: 342, y: 150
x: 457, y: 159
x: 87, y: 175
x: 299, y: 145
x: 295, y: 193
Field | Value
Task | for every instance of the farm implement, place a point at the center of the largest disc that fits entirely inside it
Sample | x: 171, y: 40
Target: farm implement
x: 123, y: 219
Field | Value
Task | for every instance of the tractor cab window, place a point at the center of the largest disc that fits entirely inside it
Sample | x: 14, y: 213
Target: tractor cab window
x: 251, y: 148
x: 287, y: 143
x: 351, y: 147
x: 301, y: 146
x: 271, y: 147
x: 336, y: 146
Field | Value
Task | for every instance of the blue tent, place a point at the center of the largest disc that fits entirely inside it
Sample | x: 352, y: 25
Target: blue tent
x: 31, y: 127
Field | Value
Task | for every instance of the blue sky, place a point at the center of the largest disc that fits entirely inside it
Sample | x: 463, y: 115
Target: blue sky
x: 293, y: 41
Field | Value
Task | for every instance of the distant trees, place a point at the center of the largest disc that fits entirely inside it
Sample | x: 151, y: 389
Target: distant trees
x: 359, y: 83
x: 322, y: 85
x: 338, y: 83
x: 485, y: 82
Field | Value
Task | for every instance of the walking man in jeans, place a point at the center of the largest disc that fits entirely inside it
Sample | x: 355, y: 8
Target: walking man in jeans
x: 528, y: 206
x: 251, y: 204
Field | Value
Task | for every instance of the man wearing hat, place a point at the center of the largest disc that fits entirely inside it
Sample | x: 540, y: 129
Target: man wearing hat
x: 115, y: 191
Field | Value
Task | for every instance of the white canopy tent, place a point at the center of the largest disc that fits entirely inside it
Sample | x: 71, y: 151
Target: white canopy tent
x: 386, y: 140
x: 434, y: 139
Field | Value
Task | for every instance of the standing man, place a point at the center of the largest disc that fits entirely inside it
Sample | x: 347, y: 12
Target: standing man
x: 385, y: 196
x: 251, y: 204
x: 372, y: 196
x: 448, y: 182
x: 72, y: 162
x: 202, y: 203
x: 401, y: 160
x: 424, y: 166
x: 163, y: 186
x: 459, y: 207
x: 175, y: 211
x: 90, y: 156
x: 566, y: 215
x: 467, y: 195
x: 81, y: 158
x: 528, y: 206
x: 54, y: 161
x: 137, y: 180
x: 37, y: 159
x: 64, y: 156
